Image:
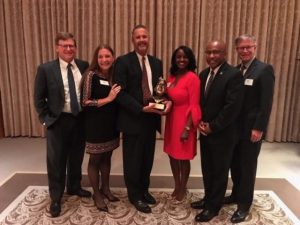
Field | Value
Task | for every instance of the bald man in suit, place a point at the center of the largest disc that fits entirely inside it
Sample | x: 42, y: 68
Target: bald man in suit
x: 221, y: 101
x: 259, y: 88
x: 65, y: 137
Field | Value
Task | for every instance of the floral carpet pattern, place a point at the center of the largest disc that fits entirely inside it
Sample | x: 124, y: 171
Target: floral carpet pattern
x: 32, y: 208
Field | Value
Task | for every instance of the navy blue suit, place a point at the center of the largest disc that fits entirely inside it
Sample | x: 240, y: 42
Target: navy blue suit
x: 65, y: 137
x: 255, y: 113
x: 220, y: 108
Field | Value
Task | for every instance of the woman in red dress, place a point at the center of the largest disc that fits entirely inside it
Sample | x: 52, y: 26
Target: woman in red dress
x: 183, y: 89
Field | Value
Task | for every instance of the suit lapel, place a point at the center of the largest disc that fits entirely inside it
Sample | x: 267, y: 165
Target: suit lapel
x: 134, y: 61
x: 221, y: 71
x: 153, y: 70
x: 79, y: 65
x: 218, y: 76
x: 251, y: 68
x: 58, y: 76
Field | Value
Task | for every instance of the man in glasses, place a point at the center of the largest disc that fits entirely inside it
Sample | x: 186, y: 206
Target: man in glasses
x: 56, y: 99
x: 259, y: 87
x: 221, y: 101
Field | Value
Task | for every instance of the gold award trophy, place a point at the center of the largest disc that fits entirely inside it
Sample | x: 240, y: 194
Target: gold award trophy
x: 159, y: 94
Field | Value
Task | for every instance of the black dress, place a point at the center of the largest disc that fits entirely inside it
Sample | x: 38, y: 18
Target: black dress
x: 100, y: 122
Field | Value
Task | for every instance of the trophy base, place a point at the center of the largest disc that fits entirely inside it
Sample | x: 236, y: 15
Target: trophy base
x: 159, y: 106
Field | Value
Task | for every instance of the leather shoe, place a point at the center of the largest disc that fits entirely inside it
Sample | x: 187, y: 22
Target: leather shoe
x: 80, y: 192
x: 148, y: 198
x: 198, y: 204
x: 206, y: 215
x: 229, y: 200
x: 239, y: 216
x: 141, y: 206
x: 55, y: 209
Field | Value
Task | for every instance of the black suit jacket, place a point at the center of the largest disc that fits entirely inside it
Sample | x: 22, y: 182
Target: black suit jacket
x: 49, y: 95
x: 128, y: 74
x: 259, y: 89
x: 222, y: 105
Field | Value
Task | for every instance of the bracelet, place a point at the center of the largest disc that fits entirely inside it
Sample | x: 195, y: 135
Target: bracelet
x: 187, y: 128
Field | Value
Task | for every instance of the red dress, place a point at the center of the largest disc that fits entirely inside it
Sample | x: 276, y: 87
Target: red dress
x: 186, y: 99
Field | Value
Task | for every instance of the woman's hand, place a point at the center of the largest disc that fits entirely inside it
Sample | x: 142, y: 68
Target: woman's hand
x: 115, y: 89
x: 168, y: 105
x: 184, y: 135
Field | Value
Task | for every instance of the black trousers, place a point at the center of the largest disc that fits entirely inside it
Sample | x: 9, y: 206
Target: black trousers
x: 215, y: 163
x: 65, y: 151
x: 243, y: 171
x: 138, y: 155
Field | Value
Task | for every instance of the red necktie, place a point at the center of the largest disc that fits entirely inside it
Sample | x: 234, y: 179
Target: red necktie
x: 145, y: 84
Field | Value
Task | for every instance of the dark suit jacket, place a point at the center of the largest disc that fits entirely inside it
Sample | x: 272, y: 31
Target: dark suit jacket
x: 49, y: 95
x: 223, y: 103
x: 259, y: 88
x: 128, y: 74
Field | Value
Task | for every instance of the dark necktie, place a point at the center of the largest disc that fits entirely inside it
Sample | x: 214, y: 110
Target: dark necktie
x: 243, y: 69
x: 145, y: 84
x: 72, y: 89
x: 209, y: 83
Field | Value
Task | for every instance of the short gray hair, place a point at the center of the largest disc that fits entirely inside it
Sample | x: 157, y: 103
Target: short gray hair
x: 244, y: 37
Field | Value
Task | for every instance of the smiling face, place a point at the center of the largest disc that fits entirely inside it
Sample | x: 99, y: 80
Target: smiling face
x: 105, y: 60
x: 140, y: 40
x: 215, y: 53
x: 182, y: 60
x: 246, y: 49
x: 66, y: 49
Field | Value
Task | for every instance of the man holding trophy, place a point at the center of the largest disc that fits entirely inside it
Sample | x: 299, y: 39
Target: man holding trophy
x: 137, y: 73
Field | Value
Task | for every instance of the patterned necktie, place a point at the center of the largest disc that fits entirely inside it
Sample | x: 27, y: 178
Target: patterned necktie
x: 72, y: 89
x: 145, y: 84
x: 243, y: 69
x: 209, y: 82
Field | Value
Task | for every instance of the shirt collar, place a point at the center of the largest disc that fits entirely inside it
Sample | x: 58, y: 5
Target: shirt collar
x: 140, y: 56
x: 215, y: 70
x: 64, y: 64
x: 248, y: 63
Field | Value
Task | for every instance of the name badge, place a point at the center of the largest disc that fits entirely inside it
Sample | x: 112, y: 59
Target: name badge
x: 104, y: 82
x: 248, y: 82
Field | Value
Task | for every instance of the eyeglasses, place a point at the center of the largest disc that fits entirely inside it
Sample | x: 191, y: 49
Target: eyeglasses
x: 67, y: 46
x: 214, y: 52
x: 245, y: 48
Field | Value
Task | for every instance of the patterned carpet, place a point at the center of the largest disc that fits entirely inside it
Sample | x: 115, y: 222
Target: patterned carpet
x: 32, y: 207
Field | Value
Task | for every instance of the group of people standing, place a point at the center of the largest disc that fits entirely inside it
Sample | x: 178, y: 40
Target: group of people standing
x: 84, y: 108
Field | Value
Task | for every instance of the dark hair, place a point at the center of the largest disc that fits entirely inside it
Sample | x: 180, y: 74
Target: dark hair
x: 189, y: 54
x: 64, y: 36
x: 138, y: 27
x: 94, y: 66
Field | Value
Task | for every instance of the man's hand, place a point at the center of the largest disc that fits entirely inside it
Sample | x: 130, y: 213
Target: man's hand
x: 256, y: 135
x: 150, y: 109
x: 204, y: 128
